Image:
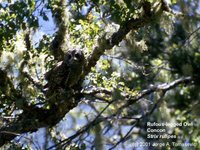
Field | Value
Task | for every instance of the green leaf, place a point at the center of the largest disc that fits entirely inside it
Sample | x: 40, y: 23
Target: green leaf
x: 173, y: 1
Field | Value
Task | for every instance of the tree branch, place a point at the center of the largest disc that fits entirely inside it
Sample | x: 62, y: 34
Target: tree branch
x: 61, y: 19
x: 132, y: 24
x: 161, y: 87
x: 132, y: 99
x: 34, y: 117
x: 82, y: 130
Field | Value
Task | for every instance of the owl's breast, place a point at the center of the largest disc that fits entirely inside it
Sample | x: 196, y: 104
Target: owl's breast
x: 73, y: 76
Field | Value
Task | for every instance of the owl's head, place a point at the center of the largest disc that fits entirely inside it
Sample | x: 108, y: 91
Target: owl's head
x: 73, y: 57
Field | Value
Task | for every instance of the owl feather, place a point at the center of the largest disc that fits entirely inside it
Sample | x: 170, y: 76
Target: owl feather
x: 67, y: 73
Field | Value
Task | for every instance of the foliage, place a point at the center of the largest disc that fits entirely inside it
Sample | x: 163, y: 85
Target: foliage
x: 142, y: 65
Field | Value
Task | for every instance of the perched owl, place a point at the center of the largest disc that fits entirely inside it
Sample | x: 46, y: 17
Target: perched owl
x: 66, y: 73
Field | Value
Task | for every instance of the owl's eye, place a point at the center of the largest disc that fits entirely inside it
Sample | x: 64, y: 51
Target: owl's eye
x: 77, y: 56
x: 69, y: 56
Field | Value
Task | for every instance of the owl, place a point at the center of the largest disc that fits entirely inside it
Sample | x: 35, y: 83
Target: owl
x: 67, y: 73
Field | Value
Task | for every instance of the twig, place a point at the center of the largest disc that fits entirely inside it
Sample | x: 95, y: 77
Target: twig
x: 165, y: 87
x: 82, y: 130
x: 125, y: 136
